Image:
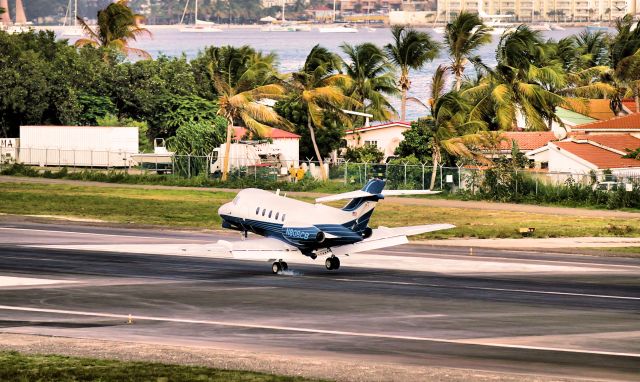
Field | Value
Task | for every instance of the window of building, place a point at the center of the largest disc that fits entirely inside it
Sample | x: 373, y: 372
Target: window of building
x: 371, y: 143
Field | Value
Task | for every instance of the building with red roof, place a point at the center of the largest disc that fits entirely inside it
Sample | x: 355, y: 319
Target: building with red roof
x: 585, y: 154
x: 622, y: 124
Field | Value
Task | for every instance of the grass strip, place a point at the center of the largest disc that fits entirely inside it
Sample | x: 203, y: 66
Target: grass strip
x: 19, y: 367
x: 198, y: 209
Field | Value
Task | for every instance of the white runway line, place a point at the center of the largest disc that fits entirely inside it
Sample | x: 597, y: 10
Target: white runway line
x: 7, y: 281
x: 97, y: 234
x: 486, y: 288
x: 306, y: 330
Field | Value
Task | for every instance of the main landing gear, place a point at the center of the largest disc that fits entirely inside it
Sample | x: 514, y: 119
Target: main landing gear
x: 332, y: 263
x: 279, y: 266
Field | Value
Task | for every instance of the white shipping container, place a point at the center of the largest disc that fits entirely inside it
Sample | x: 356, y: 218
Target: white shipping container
x: 90, y: 146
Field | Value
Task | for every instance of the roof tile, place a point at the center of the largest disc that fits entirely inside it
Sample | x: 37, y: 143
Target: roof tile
x: 600, y: 157
x: 274, y: 133
x: 527, y: 140
x: 631, y: 121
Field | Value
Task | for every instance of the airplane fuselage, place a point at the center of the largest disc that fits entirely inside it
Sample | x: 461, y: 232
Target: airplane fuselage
x: 306, y: 226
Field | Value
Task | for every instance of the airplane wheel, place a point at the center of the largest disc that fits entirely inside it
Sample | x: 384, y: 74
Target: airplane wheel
x: 336, y: 263
x: 285, y: 266
x: 328, y: 263
x: 332, y: 263
x: 275, y: 267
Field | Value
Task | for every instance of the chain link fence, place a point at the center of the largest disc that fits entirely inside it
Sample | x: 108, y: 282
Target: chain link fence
x: 399, y: 175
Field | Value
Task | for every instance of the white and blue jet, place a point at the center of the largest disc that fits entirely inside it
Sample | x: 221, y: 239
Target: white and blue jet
x: 291, y: 226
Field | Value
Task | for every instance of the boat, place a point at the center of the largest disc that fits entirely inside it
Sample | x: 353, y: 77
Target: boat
x: 557, y: 27
x: 439, y: 30
x: 345, y: 28
x: 285, y: 26
x: 69, y: 29
x: 544, y: 27
x: 199, y: 26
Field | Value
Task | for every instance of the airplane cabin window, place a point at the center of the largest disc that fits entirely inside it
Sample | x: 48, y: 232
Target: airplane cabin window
x: 264, y: 210
x: 277, y: 213
x: 283, y: 215
x: 257, y: 210
x: 270, y: 214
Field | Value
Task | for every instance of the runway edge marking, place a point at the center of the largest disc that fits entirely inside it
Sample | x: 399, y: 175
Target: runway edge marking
x: 305, y: 330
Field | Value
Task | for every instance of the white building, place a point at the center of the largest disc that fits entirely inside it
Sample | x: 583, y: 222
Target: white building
x: 386, y: 137
x: 283, y: 144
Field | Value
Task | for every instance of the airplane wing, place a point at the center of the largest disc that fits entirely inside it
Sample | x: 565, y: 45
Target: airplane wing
x: 364, y: 194
x: 258, y: 249
x: 383, y: 237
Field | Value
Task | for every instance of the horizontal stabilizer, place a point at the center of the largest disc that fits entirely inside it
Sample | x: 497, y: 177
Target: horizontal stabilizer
x: 365, y: 194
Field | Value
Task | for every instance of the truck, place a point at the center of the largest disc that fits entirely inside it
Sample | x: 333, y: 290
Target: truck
x: 78, y: 146
x: 240, y: 155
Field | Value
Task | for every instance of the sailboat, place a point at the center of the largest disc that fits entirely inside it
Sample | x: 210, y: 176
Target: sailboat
x: 21, y: 24
x: 285, y: 26
x: 345, y: 28
x: 71, y: 29
x: 199, y: 26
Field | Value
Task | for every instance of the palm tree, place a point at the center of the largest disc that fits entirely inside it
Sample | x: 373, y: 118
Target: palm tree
x: 519, y: 85
x: 117, y: 26
x: 319, y: 89
x: 453, y: 131
x: 372, y: 79
x: 241, y: 77
x: 463, y: 36
x: 410, y: 49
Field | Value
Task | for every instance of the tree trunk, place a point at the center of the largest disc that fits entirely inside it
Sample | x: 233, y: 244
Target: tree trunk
x: 436, y: 159
x: 227, y: 150
x: 312, y: 133
x: 404, y: 86
x: 458, y: 80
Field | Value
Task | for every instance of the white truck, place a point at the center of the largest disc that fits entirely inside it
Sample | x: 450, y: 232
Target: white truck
x: 240, y: 155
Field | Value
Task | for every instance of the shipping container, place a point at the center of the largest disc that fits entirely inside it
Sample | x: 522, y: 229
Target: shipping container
x: 83, y: 146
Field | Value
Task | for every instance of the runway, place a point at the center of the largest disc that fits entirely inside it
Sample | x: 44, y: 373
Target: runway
x: 504, y: 311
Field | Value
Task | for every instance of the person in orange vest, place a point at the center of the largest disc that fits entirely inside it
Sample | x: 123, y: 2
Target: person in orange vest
x: 300, y: 174
x: 292, y: 173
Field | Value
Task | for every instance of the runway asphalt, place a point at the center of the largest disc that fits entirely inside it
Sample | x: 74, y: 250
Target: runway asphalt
x: 507, y: 311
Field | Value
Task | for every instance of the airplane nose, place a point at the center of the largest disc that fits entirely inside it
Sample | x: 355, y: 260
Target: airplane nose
x: 224, y: 209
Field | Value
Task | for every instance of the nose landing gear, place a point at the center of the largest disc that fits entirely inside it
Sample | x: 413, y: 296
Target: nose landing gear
x: 332, y: 263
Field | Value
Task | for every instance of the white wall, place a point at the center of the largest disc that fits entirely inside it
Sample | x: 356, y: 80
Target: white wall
x: 388, y: 138
x: 559, y: 162
x: 289, y: 149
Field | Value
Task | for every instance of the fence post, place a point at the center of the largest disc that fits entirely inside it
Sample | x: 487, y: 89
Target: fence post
x: 405, y: 173
x: 422, y: 175
x: 441, y: 177
x: 346, y: 172
x: 516, y: 183
x: 365, y: 172
x: 459, y: 177
x: 189, y: 166
x: 536, y: 186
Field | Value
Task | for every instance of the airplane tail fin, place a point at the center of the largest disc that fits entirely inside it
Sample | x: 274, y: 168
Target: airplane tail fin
x: 362, y: 207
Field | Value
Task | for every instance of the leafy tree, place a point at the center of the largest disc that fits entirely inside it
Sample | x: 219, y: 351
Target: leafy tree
x: 319, y: 91
x: 462, y: 37
x: 372, y: 79
x: 117, y: 26
x: 198, y: 138
x: 410, y: 49
x: 94, y: 108
x: 633, y: 154
x: 364, y: 154
x: 418, y: 141
x: 177, y: 111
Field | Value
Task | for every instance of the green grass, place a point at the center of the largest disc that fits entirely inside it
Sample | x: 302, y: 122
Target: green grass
x: 198, y: 209
x: 20, y: 367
